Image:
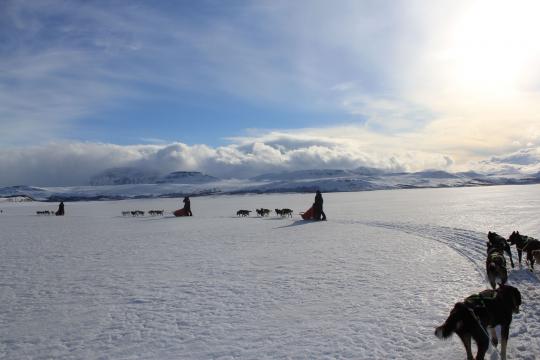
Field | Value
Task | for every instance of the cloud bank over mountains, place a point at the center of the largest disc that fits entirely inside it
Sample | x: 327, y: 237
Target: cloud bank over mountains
x: 68, y: 164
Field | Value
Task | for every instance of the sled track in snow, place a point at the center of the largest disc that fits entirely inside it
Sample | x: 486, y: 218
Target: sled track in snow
x: 469, y: 244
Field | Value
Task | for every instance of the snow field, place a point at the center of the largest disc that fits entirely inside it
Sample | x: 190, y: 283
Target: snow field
x: 370, y: 283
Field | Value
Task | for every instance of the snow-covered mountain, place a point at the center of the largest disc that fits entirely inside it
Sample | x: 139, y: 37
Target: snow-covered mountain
x: 123, y: 176
x: 118, y: 185
x: 319, y: 174
x: 130, y: 175
x: 186, y: 177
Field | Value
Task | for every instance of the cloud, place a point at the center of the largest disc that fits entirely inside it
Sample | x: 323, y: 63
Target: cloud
x: 523, y: 161
x: 74, y: 163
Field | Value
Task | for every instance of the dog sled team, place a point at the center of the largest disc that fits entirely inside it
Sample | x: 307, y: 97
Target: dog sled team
x: 266, y: 212
x: 141, y: 213
x: 315, y: 212
x: 59, y: 212
x: 476, y: 317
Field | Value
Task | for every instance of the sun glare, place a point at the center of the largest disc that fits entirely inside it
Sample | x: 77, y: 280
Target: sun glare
x: 493, y: 46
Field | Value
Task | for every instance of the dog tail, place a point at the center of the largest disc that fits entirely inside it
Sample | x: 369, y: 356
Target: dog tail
x: 453, y: 323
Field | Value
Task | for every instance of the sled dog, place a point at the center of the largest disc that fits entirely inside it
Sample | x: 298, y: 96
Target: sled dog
x: 243, y: 212
x: 527, y: 244
x: 480, y: 313
x: 495, y: 266
x: 500, y: 243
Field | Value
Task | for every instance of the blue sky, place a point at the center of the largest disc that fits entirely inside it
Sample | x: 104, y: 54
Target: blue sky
x: 408, y: 85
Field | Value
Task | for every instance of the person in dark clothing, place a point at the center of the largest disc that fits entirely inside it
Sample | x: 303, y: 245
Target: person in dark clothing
x: 187, y: 206
x: 60, y: 211
x: 318, y: 213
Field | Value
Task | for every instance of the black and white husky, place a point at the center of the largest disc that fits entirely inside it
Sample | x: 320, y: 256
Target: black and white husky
x: 479, y: 314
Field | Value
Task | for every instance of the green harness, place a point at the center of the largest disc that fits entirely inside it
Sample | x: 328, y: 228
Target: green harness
x: 479, y: 300
x: 494, y: 256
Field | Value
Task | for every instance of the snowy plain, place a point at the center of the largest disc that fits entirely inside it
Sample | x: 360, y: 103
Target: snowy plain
x: 372, y: 282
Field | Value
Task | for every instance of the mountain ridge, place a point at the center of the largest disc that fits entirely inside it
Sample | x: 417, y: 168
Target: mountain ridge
x: 193, y: 183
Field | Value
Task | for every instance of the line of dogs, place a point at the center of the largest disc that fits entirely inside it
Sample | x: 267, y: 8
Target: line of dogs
x: 141, y: 213
x: 266, y: 212
x: 44, y: 212
x: 479, y: 314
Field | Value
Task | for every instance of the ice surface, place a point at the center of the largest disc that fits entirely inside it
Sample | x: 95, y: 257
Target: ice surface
x: 372, y: 282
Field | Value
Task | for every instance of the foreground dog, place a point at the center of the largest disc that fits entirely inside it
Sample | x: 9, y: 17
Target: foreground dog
x: 496, y: 266
x: 472, y: 318
x: 525, y: 243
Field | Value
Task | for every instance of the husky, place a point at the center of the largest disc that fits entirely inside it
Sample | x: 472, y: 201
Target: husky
x: 495, y: 266
x: 243, y: 212
x: 286, y: 212
x: 472, y: 318
x: 500, y: 243
x: 525, y: 243
x: 263, y: 212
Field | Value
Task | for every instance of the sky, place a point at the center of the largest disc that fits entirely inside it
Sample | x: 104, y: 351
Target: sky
x: 239, y: 88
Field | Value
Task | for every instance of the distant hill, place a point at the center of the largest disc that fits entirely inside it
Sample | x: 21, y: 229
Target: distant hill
x: 23, y: 198
x: 123, y: 176
x: 130, y: 175
x: 130, y: 183
x: 186, y: 177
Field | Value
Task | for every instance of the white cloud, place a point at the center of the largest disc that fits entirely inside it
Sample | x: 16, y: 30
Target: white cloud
x: 64, y: 163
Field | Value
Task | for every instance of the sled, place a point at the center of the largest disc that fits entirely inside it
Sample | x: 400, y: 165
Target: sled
x: 180, y: 212
x: 308, y: 214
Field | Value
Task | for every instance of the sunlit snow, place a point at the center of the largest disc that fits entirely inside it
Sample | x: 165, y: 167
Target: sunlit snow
x: 372, y: 282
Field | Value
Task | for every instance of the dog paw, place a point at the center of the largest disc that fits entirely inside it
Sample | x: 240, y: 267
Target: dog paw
x: 495, y: 342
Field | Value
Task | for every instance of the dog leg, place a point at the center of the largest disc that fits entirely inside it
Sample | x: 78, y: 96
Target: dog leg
x: 492, y: 281
x: 519, y: 256
x: 530, y: 260
x: 505, y: 330
x: 509, y: 252
x: 494, y: 339
x: 466, y: 339
x: 482, y: 342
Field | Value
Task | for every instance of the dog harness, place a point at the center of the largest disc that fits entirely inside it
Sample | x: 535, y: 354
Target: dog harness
x: 527, y: 239
x: 496, y: 255
x: 479, y: 300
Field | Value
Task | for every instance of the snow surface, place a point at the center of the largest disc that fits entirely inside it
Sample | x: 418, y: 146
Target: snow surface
x: 372, y: 282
